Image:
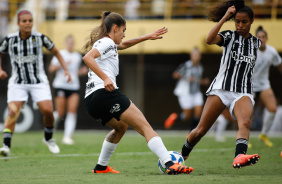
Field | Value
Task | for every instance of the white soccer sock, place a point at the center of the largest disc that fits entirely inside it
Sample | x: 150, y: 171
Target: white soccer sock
x: 221, y: 126
x: 157, y: 146
x: 56, y: 119
x: 70, y: 124
x: 267, y: 121
x: 106, y: 153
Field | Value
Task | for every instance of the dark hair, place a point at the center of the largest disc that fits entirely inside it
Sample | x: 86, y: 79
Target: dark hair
x: 108, y: 20
x: 216, y: 12
x: 22, y: 13
x: 260, y: 29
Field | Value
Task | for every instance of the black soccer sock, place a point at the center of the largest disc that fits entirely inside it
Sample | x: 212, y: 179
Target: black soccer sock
x: 169, y: 163
x: 7, y: 136
x: 187, y: 148
x: 195, y: 122
x: 241, y: 146
x: 100, y: 167
x: 48, y: 133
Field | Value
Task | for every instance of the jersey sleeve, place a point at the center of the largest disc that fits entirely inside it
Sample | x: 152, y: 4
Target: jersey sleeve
x: 106, y: 48
x: 4, y: 45
x: 47, y: 43
x: 226, y: 37
x: 276, y: 59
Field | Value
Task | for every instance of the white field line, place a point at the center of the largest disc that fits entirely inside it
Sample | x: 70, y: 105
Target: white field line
x: 97, y: 154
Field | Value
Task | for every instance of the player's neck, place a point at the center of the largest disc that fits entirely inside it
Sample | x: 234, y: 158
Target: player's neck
x: 25, y: 35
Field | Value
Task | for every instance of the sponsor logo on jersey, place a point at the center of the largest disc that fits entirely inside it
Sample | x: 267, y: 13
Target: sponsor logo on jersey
x: 115, y: 108
x: 108, y: 49
x: 249, y: 59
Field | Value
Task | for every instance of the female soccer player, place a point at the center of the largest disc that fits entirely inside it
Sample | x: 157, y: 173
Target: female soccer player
x: 28, y: 76
x: 267, y: 56
x: 66, y: 93
x: 188, y: 91
x: 232, y: 87
x: 106, y: 103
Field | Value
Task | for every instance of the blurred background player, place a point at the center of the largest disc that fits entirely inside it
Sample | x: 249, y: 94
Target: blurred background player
x: 190, y: 97
x: 66, y: 93
x: 232, y: 87
x: 28, y: 76
x: 267, y: 56
x: 108, y: 105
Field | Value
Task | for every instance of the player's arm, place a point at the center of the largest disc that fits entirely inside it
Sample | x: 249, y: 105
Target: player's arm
x: 56, y: 53
x: 3, y: 74
x: 213, y: 37
x: 90, y: 61
x: 53, y: 68
x: 153, y: 36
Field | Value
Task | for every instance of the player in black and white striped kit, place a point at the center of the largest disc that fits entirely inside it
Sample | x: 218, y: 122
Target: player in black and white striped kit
x: 232, y: 87
x: 28, y: 76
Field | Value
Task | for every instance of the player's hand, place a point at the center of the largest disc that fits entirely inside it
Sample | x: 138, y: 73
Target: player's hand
x: 3, y: 75
x: 158, y: 34
x: 68, y: 76
x: 230, y: 11
x: 109, y: 85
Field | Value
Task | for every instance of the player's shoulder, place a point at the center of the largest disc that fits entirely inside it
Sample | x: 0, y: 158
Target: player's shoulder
x: 11, y: 35
x: 270, y: 48
x: 35, y: 33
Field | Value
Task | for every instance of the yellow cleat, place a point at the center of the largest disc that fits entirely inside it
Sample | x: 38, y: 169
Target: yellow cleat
x: 265, y: 140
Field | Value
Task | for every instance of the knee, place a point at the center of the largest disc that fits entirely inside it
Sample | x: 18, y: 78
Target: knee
x: 122, y: 128
x: 272, y: 109
x: 13, y: 110
x: 245, y: 123
x: 47, y: 112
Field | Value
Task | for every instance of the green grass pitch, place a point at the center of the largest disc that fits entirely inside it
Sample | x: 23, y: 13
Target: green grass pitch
x: 31, y: 162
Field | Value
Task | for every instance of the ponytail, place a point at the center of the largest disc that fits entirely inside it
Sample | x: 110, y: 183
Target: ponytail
x: 259, y: 29
x: 108, y: 20
x: 215, y: 13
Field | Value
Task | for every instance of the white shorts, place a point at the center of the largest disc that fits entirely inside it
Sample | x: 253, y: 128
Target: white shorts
x: 229, y: 98
x: 191, y: 100
x: 38, y: 92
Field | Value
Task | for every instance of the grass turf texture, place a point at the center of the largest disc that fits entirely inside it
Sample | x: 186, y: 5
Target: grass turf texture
x: 31, y: 161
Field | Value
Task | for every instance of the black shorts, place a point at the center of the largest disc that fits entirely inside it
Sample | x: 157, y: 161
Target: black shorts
x: 103, y: 105
x: 64, y: 92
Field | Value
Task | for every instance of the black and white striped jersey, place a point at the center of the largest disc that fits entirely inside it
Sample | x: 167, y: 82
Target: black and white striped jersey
x: 26, y: 57
x: 237, y: 63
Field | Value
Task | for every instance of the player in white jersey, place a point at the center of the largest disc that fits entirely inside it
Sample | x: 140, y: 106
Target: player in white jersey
x: 28, y: 76
x: 267, y: 56
x: 66, y: 93
x: 232, y: 87
x: 188, y: 90
x: 103, y: 100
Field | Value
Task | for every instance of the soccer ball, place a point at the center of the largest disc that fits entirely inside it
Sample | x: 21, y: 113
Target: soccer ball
x: 175, y: 157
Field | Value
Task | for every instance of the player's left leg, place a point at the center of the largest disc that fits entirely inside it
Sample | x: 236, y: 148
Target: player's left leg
x: 46, y: 108
x: 109, y: 145
x: 268, y: 99
x: 243, y: 111
x: 70, y: 121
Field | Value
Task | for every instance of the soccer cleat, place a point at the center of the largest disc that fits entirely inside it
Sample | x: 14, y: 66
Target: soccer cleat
x: 243, y: 160
x: 67, y: 141
x: 53, y: 147
x: 265, y: 140
x: 170, y: 121
x: 108, y: 170
x: 178, y: 169
x: 5, y: 151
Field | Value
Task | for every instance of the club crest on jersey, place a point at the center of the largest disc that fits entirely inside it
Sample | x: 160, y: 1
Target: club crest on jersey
x: 240, y: 57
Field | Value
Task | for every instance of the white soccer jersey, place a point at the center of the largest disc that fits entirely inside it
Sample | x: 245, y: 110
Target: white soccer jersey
x: 108, y: 62
x: 26, y: 57
x: 237, y: 63
x: 188, y: 70
x: 73, y: 61
x: 261, y: 70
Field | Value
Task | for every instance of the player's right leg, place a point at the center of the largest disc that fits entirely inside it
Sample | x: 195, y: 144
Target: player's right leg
x: 212, y: 109
x: 135, y: 119
x: 9, y: 125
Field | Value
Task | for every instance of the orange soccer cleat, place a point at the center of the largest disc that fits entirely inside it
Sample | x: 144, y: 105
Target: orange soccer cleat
x: 178, y: 169
x: 108, y: 170
x: 243, y: 160
x: 170, y: 120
